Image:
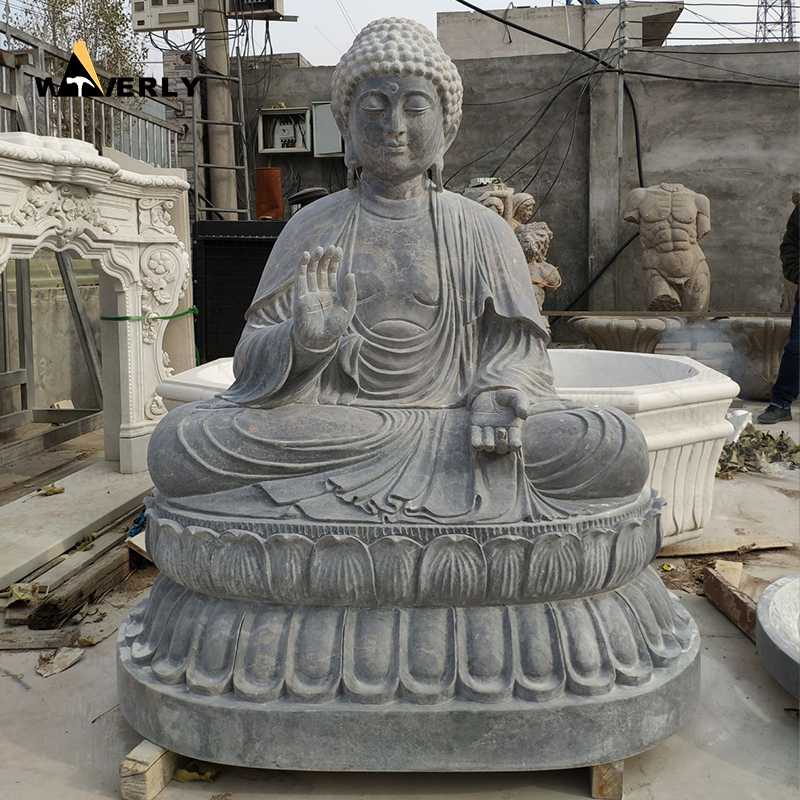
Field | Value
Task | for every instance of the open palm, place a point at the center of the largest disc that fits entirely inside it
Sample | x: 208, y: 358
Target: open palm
x: 321, y: 312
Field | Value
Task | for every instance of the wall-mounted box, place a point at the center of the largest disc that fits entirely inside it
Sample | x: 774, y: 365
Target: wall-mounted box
x: 163, y: 15
x: 259, y: 9
x: 284, y: 130
x: 328, y: 142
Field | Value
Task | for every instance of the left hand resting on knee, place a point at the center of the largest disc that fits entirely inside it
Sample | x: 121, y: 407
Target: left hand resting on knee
x: 496, y: 420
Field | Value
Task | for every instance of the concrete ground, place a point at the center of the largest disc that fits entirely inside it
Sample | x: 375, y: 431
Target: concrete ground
x: 63, y: 737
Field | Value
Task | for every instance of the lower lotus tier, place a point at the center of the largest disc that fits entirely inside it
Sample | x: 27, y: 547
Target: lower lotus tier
x: 539, y: 686
x: 535, y: 652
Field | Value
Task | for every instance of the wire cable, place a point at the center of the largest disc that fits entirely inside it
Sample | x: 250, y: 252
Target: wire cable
x: 593, y: 57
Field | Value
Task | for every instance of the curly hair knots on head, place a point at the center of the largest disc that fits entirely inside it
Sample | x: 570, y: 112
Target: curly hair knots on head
x: 399, y: 47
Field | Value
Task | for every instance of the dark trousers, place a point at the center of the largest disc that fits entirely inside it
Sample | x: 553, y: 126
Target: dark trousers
x: 787, y: 385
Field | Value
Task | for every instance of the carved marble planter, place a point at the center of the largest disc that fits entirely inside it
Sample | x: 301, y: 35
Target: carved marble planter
x: 758, y: 344
x: 629, y: 334
x: 679, y: 404
x: 73, y: 199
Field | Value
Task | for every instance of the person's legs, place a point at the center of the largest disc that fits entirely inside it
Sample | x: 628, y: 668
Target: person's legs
x: 787, y: 385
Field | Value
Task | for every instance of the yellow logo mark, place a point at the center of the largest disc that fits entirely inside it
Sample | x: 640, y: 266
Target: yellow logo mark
x: 82, y: 53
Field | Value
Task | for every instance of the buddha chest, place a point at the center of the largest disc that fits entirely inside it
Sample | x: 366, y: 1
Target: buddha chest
x: 396, y: 273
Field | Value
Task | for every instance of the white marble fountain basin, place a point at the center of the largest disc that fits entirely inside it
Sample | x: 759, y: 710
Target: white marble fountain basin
x: 679, y: 404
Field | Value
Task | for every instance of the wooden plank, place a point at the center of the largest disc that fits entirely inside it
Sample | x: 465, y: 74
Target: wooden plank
x: 92, y: 582
x: 75, y: 562
x: 731, y: 545
x: 607, y: 780
x: 138, y: 544
x: 731, y: 571
x: 18, y: 613
x: 145, y: 771
x: 738, y: 607
x: 24, y: 639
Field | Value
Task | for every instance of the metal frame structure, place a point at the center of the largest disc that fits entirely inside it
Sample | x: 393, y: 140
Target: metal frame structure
x: 775, y: 22
x: 71, y: 422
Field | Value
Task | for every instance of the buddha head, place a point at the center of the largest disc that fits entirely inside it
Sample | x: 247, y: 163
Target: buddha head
x: 396, y: 97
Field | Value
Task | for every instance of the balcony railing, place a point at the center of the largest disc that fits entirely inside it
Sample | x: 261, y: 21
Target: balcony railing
x: 139, y: 128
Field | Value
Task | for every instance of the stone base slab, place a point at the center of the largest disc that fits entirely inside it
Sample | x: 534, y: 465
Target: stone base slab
x: 456, y: 736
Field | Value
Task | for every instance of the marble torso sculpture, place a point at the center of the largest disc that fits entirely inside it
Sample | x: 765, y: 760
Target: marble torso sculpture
x: 672, y: 219
x: 390, y: 545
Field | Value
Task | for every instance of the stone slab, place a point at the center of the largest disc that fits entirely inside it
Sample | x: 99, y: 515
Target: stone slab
x: 35, y: 528
x: 403, y: 737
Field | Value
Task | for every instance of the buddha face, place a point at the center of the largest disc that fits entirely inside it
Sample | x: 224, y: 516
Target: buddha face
x: 395, y: 126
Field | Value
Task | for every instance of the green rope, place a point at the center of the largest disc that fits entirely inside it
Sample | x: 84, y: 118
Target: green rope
x: 192, y: 310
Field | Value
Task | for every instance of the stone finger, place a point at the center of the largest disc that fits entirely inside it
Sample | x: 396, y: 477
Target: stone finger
x: 349, y: 293
x: 514, y: 439
x: 488, y: 439
x: 301, y: 280
x: 313, y: 265
x: 333, y: 270
x: 324, y: 263
x: 501, y: 440
x: 476, y: 439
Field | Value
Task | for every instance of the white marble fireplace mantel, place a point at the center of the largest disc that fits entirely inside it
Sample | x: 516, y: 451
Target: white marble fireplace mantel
x: 59, y: 194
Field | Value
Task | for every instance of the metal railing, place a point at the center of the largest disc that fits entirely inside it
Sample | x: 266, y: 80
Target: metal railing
x: 135, y: 128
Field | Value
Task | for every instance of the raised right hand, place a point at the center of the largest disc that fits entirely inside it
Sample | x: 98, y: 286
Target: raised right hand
x: 321, y: 313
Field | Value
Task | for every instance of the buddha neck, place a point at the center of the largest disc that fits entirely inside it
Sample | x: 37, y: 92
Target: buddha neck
x: 395, y: 200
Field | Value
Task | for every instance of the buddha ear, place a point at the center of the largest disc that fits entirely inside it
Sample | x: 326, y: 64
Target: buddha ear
x: 450, y: 135
x: 438, y: 165
x: 351, y: 162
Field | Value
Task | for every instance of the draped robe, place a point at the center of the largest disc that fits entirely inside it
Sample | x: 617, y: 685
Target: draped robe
x: 377, y: 428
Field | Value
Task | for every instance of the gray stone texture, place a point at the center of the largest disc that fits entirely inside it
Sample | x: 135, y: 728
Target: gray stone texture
x: 390, y: 545
x: 778, y: 632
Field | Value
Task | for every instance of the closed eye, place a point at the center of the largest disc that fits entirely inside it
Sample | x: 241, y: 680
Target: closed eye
x: 372, y: 107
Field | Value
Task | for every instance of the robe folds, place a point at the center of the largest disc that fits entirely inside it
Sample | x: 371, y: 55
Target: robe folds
x: 377, y: 428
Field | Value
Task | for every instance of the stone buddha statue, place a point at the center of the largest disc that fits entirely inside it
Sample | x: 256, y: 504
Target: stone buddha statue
x: 391, y: 504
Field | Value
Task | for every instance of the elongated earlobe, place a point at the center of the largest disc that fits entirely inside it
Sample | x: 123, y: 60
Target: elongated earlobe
x: 436, y: 172
x: 351, y: 162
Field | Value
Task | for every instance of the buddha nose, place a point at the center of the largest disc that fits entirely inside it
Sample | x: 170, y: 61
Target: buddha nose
x: 396, y: 122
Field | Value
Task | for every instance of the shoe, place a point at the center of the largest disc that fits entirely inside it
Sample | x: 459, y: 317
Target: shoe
x: 773, y: 414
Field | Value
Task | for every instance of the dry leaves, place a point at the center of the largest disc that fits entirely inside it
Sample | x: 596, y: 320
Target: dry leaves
x: 754, y: 450
x: 52, y: 489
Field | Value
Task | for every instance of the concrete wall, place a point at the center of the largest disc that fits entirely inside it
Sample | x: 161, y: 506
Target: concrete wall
x: 734, y: 143
x: 737, y: 145
x: 294, y: 83
x: 467, y: 34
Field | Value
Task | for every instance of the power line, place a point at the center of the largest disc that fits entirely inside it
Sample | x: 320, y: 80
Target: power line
x: 347, y: 18
x: 593, y: 57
